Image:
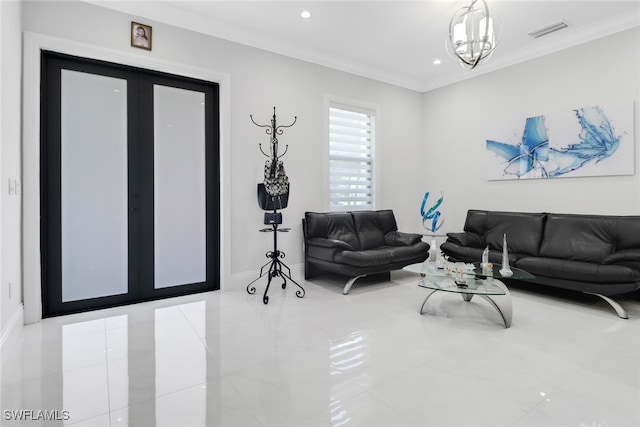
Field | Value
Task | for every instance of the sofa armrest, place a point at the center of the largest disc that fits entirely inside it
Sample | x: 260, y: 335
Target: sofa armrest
x: 398, y: 238
x: 329, y: 243
x: 468, y: 239
x: 624, y: 256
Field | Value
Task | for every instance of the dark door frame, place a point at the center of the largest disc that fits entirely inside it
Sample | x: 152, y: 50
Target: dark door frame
x: 140, y: 89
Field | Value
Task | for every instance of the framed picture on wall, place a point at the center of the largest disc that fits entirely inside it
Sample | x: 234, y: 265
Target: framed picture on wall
x: 140, y: 35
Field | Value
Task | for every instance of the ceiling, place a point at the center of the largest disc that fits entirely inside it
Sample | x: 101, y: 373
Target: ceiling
x: 391, y: 41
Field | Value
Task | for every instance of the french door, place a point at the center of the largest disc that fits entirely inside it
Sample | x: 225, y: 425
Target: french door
x: 129, y: 185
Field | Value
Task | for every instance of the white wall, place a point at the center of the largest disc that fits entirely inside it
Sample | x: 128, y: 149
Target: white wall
x: 432, y: 141
x: 456, y: 119
x: 259, y: 81
x: 10, y: 134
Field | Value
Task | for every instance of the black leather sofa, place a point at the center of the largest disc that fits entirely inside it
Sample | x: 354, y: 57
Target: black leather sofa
x: 358, y: 244
x: 594, y: 254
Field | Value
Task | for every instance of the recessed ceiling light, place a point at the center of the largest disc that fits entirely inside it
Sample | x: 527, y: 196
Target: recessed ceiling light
x: 437, y: 61
x: 305, y: 14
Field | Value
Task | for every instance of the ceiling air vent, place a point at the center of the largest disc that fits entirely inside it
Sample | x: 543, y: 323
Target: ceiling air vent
x: 549, y: 29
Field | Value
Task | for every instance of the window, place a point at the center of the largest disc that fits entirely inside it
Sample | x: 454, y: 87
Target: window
x: 351, y: 143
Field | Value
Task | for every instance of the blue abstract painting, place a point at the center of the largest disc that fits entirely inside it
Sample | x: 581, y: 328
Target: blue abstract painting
x: 589, y: 141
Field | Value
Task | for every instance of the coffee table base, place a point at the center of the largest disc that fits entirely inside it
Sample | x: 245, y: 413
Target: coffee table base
x: 502, y: 303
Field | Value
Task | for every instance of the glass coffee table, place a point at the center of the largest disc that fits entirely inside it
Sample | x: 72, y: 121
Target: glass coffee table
x: 473, y: 281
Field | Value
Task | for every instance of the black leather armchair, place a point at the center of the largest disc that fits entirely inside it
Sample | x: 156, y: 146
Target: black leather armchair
x: 358, y: 244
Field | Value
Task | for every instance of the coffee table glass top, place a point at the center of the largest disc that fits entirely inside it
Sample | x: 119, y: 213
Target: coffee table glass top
x: 476, y: 282
x: 473, y: 286
x: 473, y: 271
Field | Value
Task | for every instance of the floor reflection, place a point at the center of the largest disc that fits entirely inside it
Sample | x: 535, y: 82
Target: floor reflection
x: 219, y: 359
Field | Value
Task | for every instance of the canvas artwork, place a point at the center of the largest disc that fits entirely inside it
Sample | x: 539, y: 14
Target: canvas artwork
x: 587, y: 141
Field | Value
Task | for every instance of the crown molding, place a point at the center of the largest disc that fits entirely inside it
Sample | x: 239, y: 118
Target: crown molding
x: 171, y: 15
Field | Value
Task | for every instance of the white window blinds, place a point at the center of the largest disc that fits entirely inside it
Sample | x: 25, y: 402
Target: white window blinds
x: 350, y: 159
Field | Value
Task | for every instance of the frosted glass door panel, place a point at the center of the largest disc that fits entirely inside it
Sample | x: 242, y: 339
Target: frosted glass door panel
x: 179, y: 187
x: 93, y: 186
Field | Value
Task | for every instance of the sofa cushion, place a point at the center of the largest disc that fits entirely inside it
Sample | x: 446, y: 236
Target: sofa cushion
x: 524, y: 231
x: 384, y: 255
x: 332, y: 225
x: 398, y: 238
x: 588, y: 238
x: 628, y: 233
x: 364, y: 258
x: 320, y: 252
x: 417, y: 252
x: 476, y: 222
x: 578, y: 270
x: 329, y: 243
x: 387, y: 220
x: 623, y: 256
x: 371, y: 227
x: 468, y: 254
x: 468, y: 238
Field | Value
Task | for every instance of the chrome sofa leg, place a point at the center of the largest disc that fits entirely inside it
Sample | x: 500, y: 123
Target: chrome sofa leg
x: 617, y: 307
x: 347, y: 287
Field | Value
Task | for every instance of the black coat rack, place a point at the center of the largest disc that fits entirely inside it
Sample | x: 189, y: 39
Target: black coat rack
x: 273, y: 195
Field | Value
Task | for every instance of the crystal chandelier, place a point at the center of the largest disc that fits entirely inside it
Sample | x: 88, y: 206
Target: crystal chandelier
x: 472, y: 34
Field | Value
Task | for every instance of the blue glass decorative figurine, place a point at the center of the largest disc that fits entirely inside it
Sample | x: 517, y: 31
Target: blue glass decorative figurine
x: 432, y: 218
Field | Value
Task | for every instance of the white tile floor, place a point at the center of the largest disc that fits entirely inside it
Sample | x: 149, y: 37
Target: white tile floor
x: 364, y: 359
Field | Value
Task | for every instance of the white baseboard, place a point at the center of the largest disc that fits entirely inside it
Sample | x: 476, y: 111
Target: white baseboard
x: 16, y: 320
